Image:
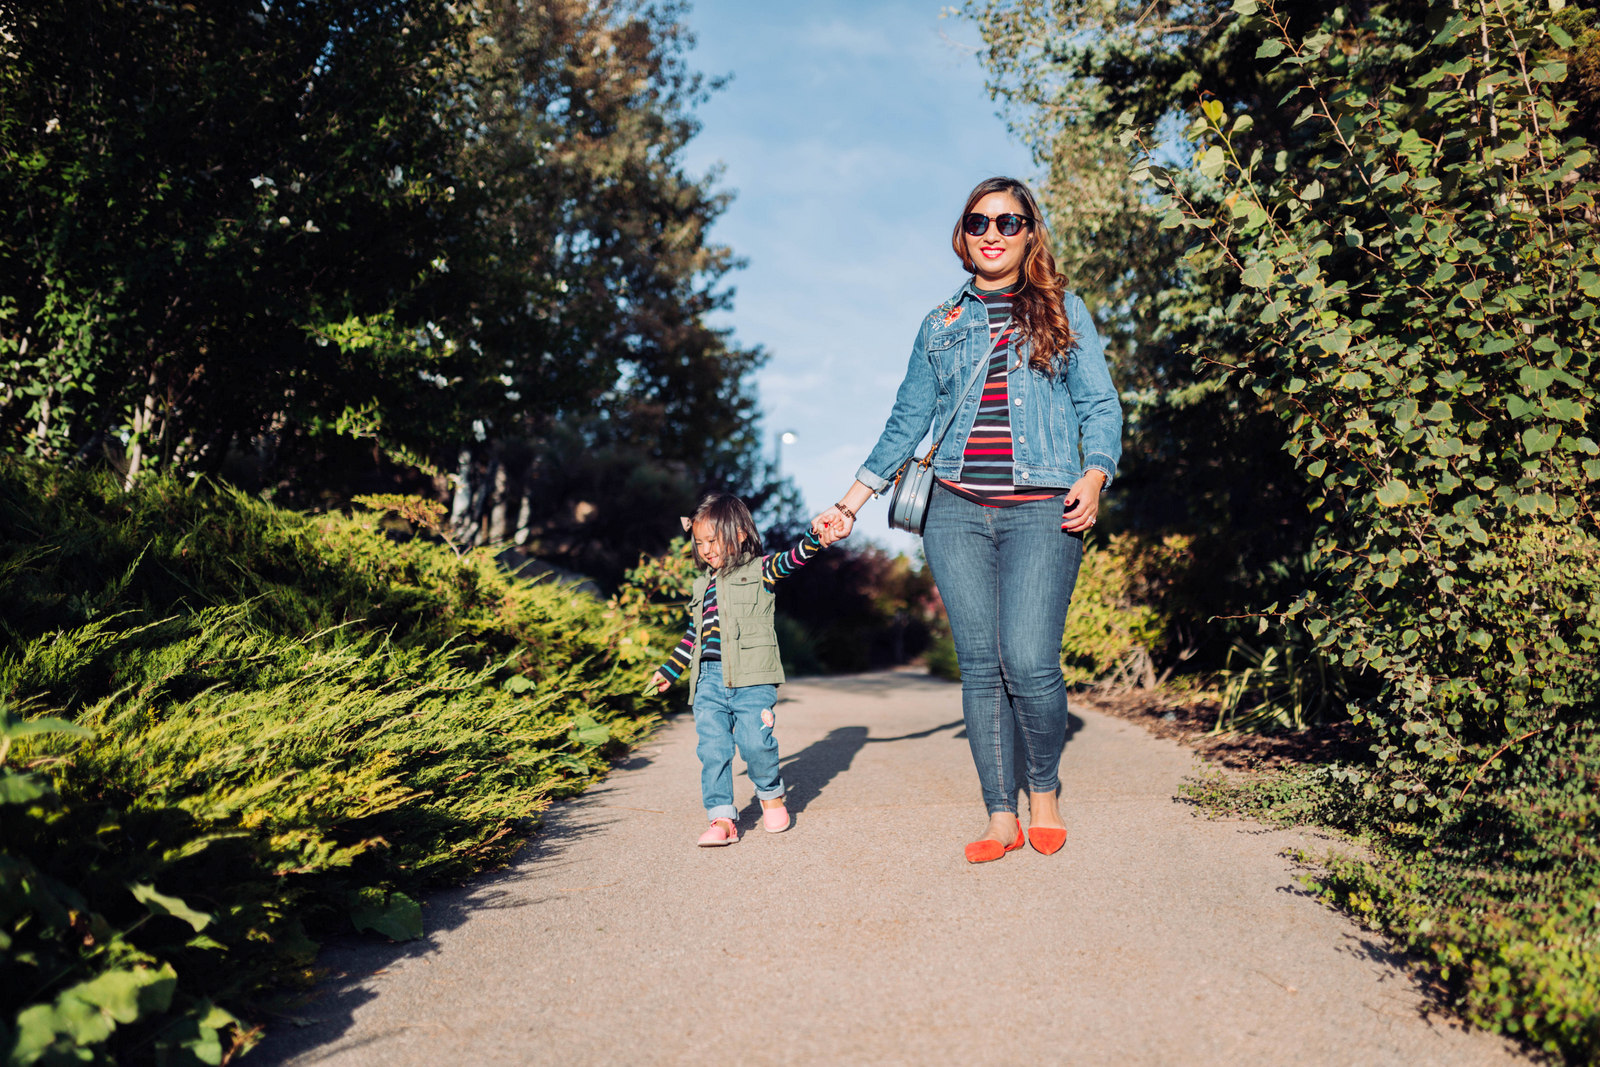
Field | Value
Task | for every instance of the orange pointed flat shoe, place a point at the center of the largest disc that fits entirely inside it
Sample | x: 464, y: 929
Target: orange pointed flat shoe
x: 986, y: 850
x: 1046, y: 839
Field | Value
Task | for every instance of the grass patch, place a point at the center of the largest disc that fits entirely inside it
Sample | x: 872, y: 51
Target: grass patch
x: 297, y: 724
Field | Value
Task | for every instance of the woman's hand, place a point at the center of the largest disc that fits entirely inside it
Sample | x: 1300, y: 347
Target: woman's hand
x: 836, y: 522
x: 660, y: 681
x: 1083, y: 503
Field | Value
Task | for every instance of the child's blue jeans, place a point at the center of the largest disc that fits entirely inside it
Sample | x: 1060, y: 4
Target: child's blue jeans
x: 723, y: 718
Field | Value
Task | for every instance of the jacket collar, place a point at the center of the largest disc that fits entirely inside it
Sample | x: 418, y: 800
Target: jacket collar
x: 968, y: 288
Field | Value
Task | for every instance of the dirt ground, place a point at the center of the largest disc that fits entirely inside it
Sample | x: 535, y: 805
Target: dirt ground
x: 1189, y: 722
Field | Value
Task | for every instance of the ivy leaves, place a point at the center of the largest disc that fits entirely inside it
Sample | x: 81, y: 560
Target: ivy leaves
x: 1421, y: 289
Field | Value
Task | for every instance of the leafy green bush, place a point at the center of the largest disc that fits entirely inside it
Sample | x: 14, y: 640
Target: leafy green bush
x: 1420, y: 276
x: 1107, y: 622
x: 1416, y: 282
x: 298, y: 724
x: 658, y: 588
x: 861, y: 608
x: 1287, y: 685
x: 941, y: 658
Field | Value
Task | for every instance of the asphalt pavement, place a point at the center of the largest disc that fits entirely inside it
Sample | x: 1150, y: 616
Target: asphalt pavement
x: 862, y: 936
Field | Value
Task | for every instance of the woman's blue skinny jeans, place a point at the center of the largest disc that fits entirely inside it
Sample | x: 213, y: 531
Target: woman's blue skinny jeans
x: 1006, y: 577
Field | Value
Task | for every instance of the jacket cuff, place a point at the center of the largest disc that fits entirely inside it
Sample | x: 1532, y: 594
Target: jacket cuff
x: 1099, y: 461
x: 871, y: 480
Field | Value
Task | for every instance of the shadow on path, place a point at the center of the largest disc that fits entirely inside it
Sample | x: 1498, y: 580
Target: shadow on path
x: 808, y: 772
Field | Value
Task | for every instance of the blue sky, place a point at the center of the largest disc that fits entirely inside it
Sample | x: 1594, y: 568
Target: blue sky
x: 850, y: 133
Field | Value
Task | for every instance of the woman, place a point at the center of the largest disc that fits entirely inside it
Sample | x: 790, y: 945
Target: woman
x: 1020, y: 474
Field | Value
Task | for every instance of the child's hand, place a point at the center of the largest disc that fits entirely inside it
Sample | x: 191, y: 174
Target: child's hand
x: 657, y: 683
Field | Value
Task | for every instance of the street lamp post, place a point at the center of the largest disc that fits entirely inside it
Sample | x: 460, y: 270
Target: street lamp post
x: 787, y: 437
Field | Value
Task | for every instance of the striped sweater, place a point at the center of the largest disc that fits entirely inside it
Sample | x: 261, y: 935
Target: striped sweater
x: 987, y: 467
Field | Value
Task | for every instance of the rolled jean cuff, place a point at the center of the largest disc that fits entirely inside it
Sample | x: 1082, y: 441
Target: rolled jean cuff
x: 768, y: 794
x: 1100, y: 461
x: 722, y: 811
x: 1012, y: 810
x: 1051, y: 788
x: 871, y: 479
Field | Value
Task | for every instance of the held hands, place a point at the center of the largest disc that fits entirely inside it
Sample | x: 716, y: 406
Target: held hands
x: 835, y: 523
x: 1083, y: 503
x: 832, y: 525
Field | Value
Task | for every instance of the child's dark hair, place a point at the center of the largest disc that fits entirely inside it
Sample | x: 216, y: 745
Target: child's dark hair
x: 732, y: 526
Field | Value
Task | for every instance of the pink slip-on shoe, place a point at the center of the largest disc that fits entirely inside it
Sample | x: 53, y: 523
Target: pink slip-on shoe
x: 775, y: 820
x: 721, y: 832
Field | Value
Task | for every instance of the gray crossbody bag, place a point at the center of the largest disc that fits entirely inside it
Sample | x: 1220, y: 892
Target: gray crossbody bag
x: 913, y: 482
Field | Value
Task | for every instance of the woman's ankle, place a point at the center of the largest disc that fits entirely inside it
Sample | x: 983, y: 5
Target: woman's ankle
x: 1045, y: 808
x: 1003, y: 824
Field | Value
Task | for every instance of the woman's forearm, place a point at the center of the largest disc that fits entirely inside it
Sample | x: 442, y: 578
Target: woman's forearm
x: 856, y: 496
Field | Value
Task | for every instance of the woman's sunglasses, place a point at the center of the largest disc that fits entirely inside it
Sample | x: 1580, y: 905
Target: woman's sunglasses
x: 977, y: 225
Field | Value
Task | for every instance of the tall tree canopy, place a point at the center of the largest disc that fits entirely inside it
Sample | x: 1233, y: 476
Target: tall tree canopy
x: 245, y: 229
x: 1206, y: 456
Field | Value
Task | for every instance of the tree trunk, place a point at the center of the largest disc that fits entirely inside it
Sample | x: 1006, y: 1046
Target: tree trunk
x: 144, y: 418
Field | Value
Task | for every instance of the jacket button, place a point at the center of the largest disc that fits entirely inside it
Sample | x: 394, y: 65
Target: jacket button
x: 1017, y: 402
x: 1024, y: 474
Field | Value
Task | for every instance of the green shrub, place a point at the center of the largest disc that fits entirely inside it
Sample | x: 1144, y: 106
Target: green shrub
x: 299, y: 723
x: 1416, y: 280
x: 861, y: 607
x: 658, y: 588
x: 1106, y: 622
x: 1286, y: 685
x: 941, y: 658
x: 1417, y: 284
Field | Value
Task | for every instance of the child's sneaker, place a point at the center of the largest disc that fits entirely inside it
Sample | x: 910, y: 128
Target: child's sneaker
x: 721, y: 832
x: 775, y: 820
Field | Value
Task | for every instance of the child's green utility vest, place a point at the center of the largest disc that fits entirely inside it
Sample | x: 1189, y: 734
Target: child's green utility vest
x: 745, y: 612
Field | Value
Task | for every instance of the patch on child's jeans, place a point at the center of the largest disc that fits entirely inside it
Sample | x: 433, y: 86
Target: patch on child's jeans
x: 768, y: 719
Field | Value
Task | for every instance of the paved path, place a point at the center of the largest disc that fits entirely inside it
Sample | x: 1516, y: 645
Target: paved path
x: 861, y: 935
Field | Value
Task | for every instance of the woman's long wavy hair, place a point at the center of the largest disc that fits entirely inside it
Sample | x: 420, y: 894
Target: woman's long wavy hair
x: 1041, y: 319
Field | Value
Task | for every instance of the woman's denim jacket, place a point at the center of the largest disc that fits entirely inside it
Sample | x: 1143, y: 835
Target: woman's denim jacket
x: 1061, y: 424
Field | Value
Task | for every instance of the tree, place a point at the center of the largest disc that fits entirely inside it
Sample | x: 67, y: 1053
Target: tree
x: 216, y: 218
x: 1205, y: 456
x: 590, y: 276
x: 458, y: 234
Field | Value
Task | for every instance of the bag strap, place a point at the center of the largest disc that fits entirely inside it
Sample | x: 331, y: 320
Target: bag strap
x: 977, y: 376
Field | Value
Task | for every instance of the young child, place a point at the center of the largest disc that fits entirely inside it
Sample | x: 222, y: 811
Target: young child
x: 731, y: 654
